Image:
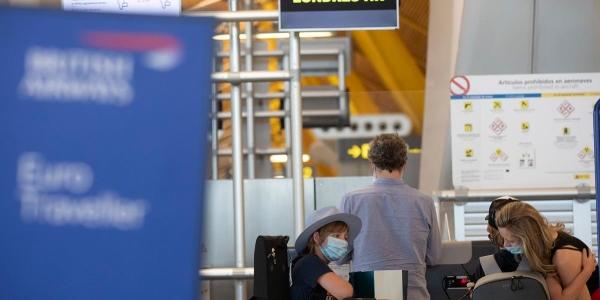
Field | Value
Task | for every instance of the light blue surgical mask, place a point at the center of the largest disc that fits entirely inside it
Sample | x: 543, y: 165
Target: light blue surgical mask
x: 334, y: 248
x: 516, y: 250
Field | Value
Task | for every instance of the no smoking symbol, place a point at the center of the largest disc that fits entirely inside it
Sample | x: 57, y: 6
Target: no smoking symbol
x: 459, y: 85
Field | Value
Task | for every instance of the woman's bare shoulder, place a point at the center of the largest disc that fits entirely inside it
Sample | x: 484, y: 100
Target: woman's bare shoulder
x: 566, y: 254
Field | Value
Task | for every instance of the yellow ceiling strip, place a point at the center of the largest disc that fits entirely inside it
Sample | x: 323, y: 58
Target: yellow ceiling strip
x: 398, y: 70
x: 361, y: 101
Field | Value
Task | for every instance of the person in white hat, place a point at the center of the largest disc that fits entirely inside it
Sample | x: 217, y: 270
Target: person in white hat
x: 328, y: 237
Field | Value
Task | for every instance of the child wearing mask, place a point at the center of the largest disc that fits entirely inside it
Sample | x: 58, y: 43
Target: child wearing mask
x: 327, y: 237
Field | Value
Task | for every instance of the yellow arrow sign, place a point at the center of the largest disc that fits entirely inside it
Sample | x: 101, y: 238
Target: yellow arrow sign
x: 354, y: 151
x: 365, y: 151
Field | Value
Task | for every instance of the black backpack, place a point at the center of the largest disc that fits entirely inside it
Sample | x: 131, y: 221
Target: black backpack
x: 271, y: 268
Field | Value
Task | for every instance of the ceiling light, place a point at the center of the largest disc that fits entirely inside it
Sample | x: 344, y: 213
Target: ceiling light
x: 282, y: 158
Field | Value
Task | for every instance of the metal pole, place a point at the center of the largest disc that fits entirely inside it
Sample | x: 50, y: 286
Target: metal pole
x: 335, y: 113
x: 583, y: 192
x: 214, y: 140
x: 306, y: 95
x: 342, y: 84
x: 269, y: 53
x: 296, y: 120
x: 287, y: 124
x: 258, y: 151
x: 249, y: 98
x: 226, y: 273
x: 238, y: 174
x: 238, y: 77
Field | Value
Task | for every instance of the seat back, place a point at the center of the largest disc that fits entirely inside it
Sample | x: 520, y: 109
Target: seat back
x: 511, y: 285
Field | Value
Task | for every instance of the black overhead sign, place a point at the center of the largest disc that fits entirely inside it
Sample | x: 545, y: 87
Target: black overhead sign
x: 306, y: 15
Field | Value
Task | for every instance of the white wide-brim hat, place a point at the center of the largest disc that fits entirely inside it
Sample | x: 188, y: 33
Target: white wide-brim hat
x: 323, y: 217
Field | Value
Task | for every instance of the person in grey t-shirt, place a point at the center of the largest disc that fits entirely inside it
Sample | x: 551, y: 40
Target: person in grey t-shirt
x: 400, y: 229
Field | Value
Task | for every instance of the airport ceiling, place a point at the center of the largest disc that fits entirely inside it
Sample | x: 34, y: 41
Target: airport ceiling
x: 388, y: 68
x: 414, y: 19
x: 392, y: 62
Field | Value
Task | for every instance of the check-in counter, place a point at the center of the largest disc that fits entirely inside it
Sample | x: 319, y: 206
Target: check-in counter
x: 458, y: 264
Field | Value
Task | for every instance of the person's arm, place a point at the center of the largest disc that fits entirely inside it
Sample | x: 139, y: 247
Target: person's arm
x: 336, y: 285
x: 478, y: 273
x: 434, y: 242
x: 573, y: 268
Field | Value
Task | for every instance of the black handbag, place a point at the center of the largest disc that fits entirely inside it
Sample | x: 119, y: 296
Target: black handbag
x: 271, y: 268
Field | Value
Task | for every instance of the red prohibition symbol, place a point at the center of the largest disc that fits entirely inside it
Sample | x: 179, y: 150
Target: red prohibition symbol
x: 459, y: 85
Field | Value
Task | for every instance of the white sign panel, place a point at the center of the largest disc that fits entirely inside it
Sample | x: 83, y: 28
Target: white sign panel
x: 523, y: 131
x: 151, y: 7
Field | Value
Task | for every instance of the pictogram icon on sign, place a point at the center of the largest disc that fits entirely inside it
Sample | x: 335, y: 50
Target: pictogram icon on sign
x: 468, y: 106
x: 459, y: 85
x: 498, y: 126
x: 468, y: 127
x: 586, y: 152
x: 469, y: 152
x: 498, y: 154
x: 497, y: 105
x: 582, y: 176
x: 566, y: 109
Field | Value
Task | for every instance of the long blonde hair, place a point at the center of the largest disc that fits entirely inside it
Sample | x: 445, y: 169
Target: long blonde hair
x: 534, y: 232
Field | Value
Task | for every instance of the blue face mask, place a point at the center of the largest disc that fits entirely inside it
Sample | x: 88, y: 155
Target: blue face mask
x: 334, y: 248
x: 516, y: 250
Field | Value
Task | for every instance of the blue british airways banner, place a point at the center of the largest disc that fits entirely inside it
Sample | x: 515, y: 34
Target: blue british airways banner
x: 596, y: 119
x: 103, y: 124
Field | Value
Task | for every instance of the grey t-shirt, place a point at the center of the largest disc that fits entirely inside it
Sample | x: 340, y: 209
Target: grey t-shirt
x: 399, y: 231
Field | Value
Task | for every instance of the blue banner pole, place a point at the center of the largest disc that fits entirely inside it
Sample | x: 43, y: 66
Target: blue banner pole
x: 597, y: 163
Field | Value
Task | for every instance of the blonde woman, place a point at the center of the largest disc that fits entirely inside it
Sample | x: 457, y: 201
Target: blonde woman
x: 564, y: 260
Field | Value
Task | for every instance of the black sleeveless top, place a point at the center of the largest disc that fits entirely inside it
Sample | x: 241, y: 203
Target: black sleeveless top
x: 569, y: 242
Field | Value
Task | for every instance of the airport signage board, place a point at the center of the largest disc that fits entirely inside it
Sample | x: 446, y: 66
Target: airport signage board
x: 319, y: 15
x: 523, y: 131
x: 102, y: 147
